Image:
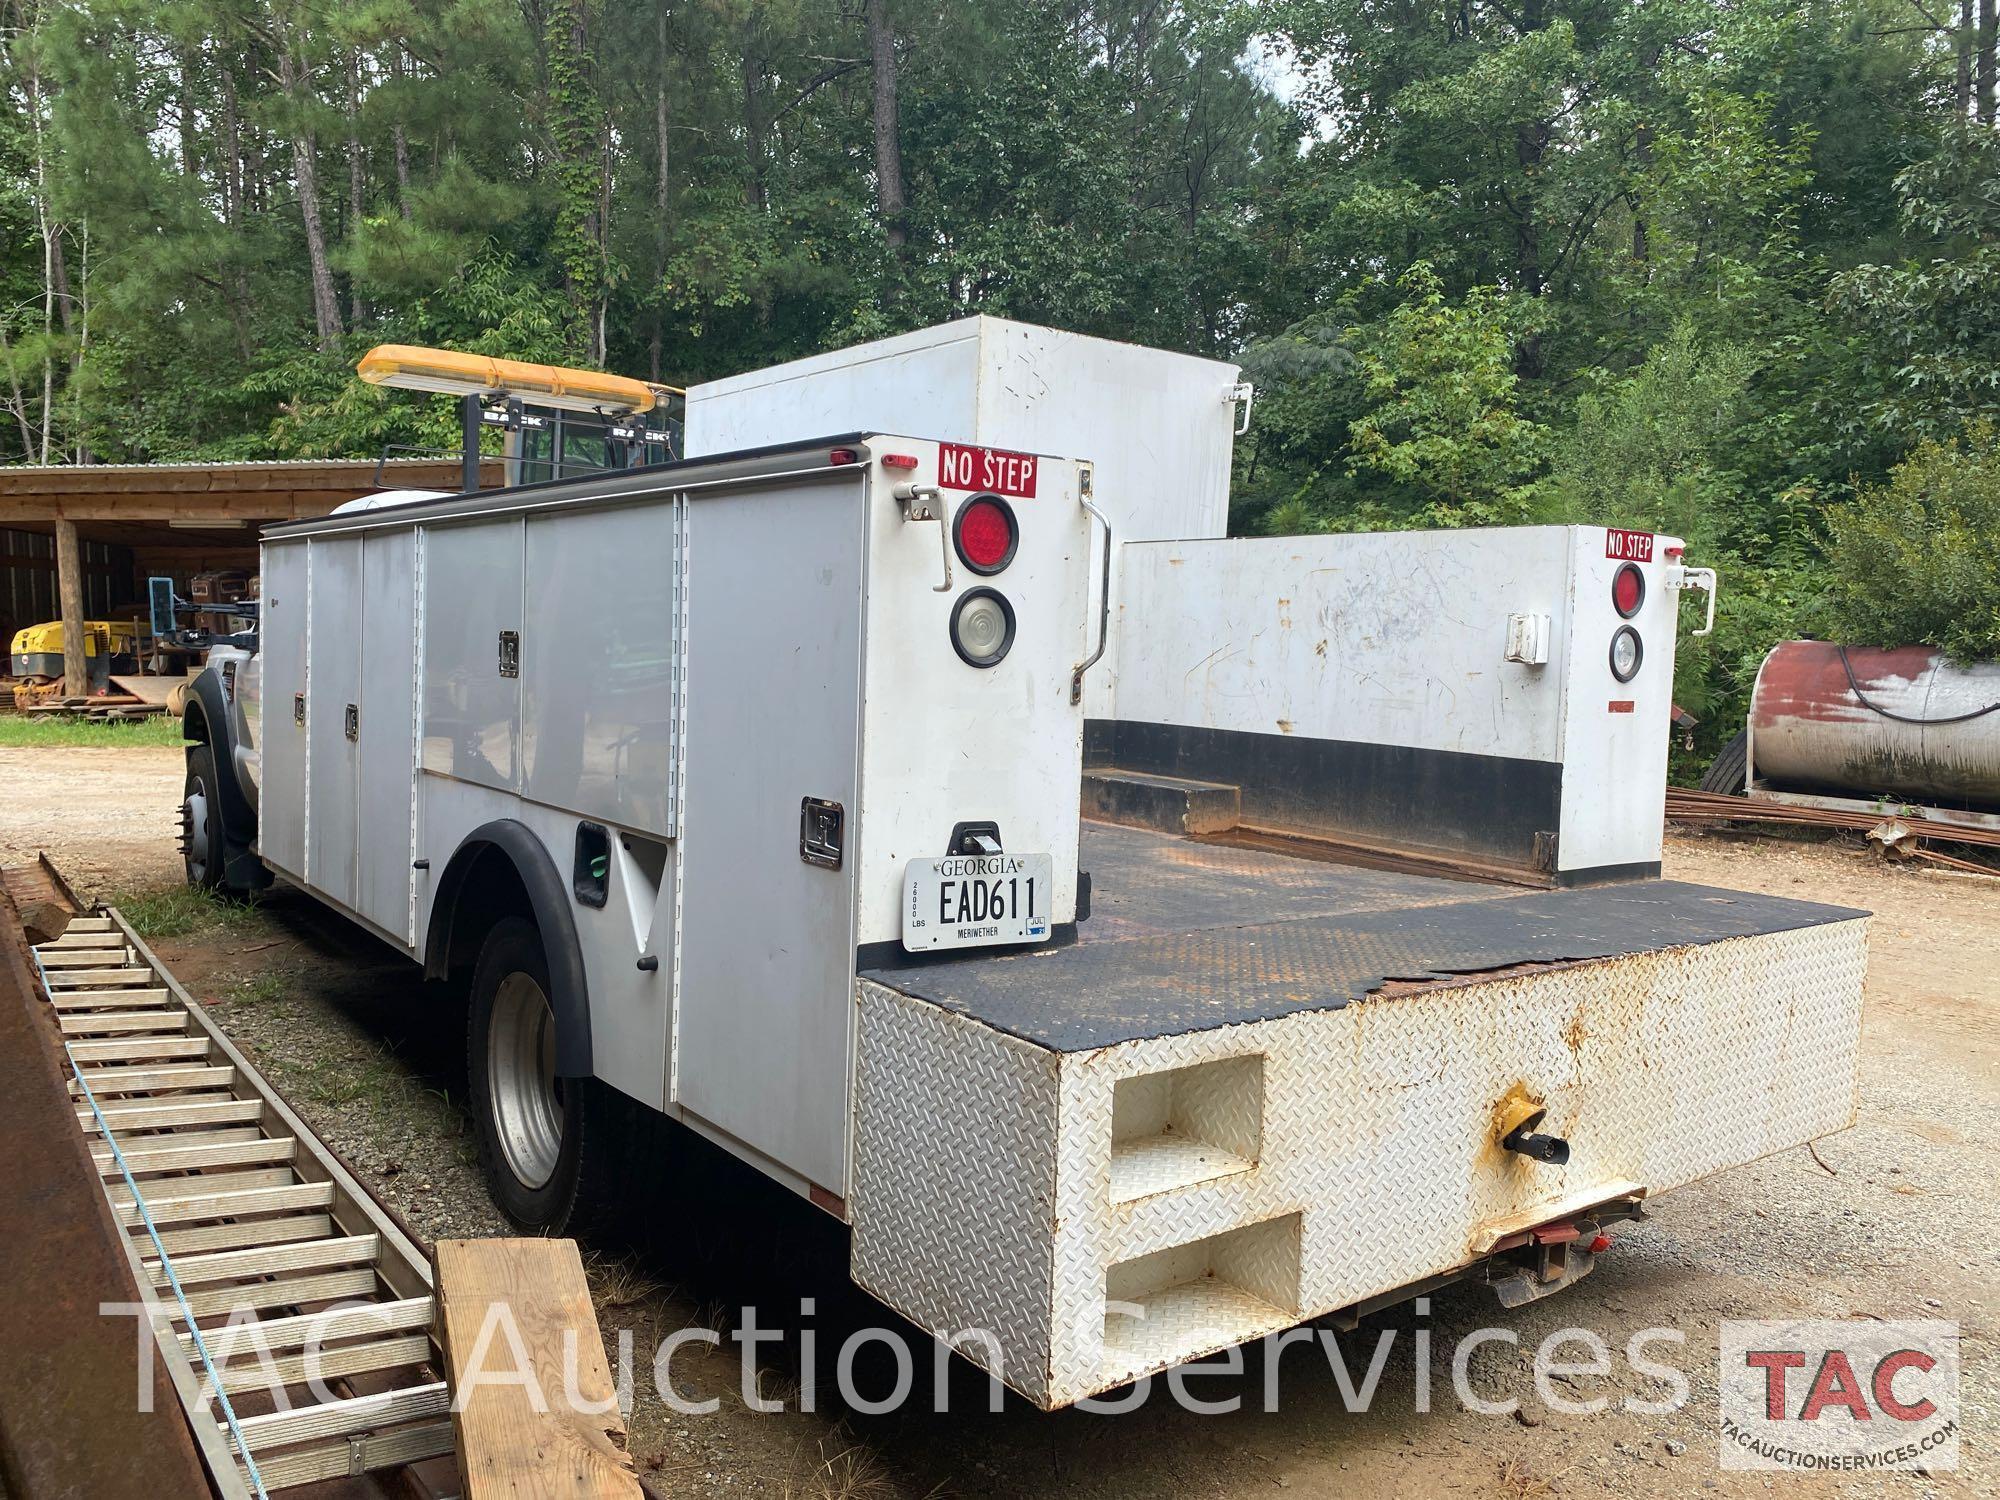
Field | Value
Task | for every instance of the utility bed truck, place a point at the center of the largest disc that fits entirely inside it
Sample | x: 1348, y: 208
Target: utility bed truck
x: 747, y: 788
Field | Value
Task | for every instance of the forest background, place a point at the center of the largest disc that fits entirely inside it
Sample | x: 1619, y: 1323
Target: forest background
x: 1727, y: 270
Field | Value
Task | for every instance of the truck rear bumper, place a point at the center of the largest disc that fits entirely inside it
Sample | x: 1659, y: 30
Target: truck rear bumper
x: 1073, y: 1216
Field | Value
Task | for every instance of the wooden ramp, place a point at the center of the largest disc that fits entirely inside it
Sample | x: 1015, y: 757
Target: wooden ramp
x: 514, y: 1308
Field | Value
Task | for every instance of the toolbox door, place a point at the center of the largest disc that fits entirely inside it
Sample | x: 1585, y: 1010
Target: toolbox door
x: 774, y: 589
x: 388, y: 743
x: 281, y: 724
x: 335, y: 610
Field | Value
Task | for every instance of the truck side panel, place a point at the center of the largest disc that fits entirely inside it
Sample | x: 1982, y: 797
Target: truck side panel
x: 281, y: 817
x: 599, y: 707
x: 775, y: 589
x: 1615, y: 734
x: 333, y: 691
x: 388, y: 728
x: 472, y: 602
x: 1353, y: 686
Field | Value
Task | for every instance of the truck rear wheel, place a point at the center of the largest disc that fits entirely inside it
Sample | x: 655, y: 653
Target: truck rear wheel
x: 202, y: 853
x: 542, y: 1141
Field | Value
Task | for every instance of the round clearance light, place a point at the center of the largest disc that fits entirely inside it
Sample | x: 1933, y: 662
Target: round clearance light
x: 1628, y: 590
x: 985, y: 534
x: 982, y: 627
x: 1626, y: 653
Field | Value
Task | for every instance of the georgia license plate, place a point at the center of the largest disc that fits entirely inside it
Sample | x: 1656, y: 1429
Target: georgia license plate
x: 972, y: 900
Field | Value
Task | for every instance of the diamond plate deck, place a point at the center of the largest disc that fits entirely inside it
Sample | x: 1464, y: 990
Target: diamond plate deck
x: 984, y: 1193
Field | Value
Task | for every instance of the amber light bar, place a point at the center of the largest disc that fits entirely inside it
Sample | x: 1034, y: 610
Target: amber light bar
x: 410, y: 368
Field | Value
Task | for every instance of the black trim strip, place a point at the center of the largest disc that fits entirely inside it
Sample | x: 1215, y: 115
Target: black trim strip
x: 1440, y: 801
x: 1608, y: 874
x: 893, y: 955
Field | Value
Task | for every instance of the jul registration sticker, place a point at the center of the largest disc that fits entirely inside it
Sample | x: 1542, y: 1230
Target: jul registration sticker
x: 1853, y: 1396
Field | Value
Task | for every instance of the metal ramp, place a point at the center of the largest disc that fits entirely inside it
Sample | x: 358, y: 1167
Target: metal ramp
x: 295, y: 1317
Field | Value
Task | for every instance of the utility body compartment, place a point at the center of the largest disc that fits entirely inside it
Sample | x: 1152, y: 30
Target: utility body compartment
x: 657, y: 674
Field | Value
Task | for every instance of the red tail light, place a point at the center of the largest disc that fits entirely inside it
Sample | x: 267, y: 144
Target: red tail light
x: 985, y: 534
x: 1628, y: 590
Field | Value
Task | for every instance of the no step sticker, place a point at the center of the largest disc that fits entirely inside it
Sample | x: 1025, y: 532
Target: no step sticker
x: 989, y: 469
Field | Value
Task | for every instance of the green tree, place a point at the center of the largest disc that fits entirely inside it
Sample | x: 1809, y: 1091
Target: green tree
x: 1913, y: 560
x: 1442, y: 429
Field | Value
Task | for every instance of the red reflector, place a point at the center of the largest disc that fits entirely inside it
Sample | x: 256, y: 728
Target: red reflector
x: 984, y: 531
x: 1622, y: 706
x: 1601, y: 1244
x: 899, y: 460
x: 843, y: 456
x: 1628, y: 590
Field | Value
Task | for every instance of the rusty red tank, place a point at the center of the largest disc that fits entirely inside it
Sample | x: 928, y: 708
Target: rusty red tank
x: 1863, y: 722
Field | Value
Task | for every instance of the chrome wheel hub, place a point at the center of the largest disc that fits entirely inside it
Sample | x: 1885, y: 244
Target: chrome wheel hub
x: 194, y: 833
x: 521, y: 1080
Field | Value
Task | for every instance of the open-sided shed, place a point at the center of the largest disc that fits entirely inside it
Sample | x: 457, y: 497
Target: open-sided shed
x: 78, y: 542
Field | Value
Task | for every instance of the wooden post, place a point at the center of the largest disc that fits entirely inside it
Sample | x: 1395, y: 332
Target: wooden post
x: 69, y: 586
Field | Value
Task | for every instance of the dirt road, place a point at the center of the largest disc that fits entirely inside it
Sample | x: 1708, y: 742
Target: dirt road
x: 1895, y: 1218
x: 106, y: 815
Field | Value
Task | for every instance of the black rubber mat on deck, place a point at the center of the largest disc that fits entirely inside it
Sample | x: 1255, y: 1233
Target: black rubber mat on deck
x: 1096, y: 993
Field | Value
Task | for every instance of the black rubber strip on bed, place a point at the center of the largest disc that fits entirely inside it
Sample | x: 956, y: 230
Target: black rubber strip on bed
x: 1096, y: 994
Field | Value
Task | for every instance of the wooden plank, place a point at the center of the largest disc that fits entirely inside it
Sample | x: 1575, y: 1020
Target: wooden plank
x: 72, y: 938
x: 107, y: 1081
x: 85, y: 979
x: 114, y: 1022
x: 74, y: 1000
x: 506, y: 1446
x: 276, y: 1335
x: 166, y: 1189
x: 329, y: 1364
x: 384, y: 1450
x: 81, y: 958
x: 122, y: 1118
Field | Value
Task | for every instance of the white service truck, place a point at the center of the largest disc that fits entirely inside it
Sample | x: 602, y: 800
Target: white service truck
x: 749, y: 789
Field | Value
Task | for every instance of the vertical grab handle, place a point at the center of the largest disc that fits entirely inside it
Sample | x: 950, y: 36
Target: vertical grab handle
x: 1703, y: 579
x: 1104, y: 593
x: 925, y: 502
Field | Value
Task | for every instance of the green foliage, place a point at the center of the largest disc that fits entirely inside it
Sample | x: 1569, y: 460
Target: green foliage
x: 1709, y: 269
x: 1915, y: 560
x: 1933, y: 326
x: 169, y: 911
x: 1442, y: 428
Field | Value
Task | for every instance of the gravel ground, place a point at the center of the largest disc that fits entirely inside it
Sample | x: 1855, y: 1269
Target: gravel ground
x: 1894, y: 1218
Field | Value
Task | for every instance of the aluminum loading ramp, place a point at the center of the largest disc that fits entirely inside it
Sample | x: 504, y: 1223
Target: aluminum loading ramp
x: 268, y: 1263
